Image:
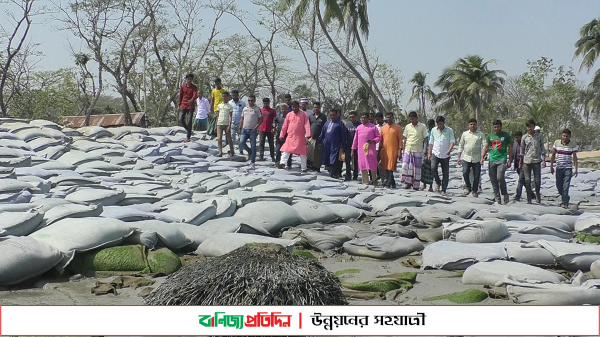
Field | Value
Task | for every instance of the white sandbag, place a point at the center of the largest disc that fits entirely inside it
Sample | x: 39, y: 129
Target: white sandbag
x: 24, y: 258
x: 83, y: 234
x: 16, y: 162
x: 490, y: 273
x: 280, y: 215
x: 135, y: 199
x: 96, y: 196
x: 222, y: 244
x: 15, y: 198
x: 311, y: 212
x: 17, y: 144
x: 462, y: 209
x: 74, y: 158
x: 526, y: 238
x: 572, y: 256
x: 323, y: 239
x: 248, y: 197
x: 169, y: 236
x: 568, y: 219
x: 475, y: 231
x: 191, y: 213
x: 127, y: 214
x: 346, y: 212
x: 588, y: 223
x: 60, y: 212
x: 6, y: 152
x: 595, y: 269
x: 94, y: 132
x: 435, y: 217
x: 382, y: 247
x: 485, y: 214
x: 73, y: 180
x: 198, y: 234
x: 386, y: 202
x: 525, y: 292
x: 548, y: 227
x: 101, y: 165
x: 402, y: 217
x: 14, y: 186
x: 19, y: 223
x: 535, y: 256
x: 450, y: 255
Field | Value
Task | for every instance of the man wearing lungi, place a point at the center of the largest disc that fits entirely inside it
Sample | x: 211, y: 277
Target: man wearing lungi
x: 415, y: 135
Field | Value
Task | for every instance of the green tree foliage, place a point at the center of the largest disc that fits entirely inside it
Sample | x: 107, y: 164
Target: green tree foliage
x: 421, y: 92
x: 469, y: 83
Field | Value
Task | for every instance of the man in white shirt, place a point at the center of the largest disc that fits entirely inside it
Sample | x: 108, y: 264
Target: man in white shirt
x: 441, y: 144
x: 238, y: 107
x: 202, y: 109
x: 470, y: 148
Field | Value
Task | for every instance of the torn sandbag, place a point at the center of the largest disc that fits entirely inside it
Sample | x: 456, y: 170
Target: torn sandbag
x: 571, y: 256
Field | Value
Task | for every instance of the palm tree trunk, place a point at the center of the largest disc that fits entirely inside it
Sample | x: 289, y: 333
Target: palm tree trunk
x: 423, y: 103
x: 367, y: 66
x: 350, y: 66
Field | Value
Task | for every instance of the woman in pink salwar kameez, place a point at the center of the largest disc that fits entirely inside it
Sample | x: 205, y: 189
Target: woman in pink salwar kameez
x: 367, y: 133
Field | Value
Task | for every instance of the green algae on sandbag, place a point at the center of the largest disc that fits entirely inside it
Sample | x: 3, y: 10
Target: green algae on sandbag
x: 382, y: 286
x: 304, y: 253
x: 121, y: 258
x: 163, y: 261
x: 347, y: 271
x: 405, y: 276
x: 465, y: 297
x: 587, y: 238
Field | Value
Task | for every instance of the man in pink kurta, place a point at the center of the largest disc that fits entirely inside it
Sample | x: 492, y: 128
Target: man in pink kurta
x: 367, y: 133
x: 295, y: 132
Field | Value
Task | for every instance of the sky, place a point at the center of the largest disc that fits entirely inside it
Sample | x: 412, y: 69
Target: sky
x: 429, y: 35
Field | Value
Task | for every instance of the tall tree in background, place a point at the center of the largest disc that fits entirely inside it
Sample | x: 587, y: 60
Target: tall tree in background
x: 588, y: 45
x: 16, y: 49
x: 337, y: 11
x: 470, y: 83
x: 421, y: 91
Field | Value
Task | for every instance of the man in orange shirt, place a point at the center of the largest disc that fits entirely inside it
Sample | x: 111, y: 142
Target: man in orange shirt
x: 187, y: 100
x: 390, y: 148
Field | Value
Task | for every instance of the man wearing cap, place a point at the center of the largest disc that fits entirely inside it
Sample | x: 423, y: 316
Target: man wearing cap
x: 266, y: 130
x: 304, y: 107
x: 283, y: 111
x: 533, y: 154
x: 295, y: 131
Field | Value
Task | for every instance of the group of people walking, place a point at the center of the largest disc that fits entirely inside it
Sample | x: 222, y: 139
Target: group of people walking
x: 374, y: 145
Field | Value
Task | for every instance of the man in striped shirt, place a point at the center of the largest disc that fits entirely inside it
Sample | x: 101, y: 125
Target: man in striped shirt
x: 565, y: 153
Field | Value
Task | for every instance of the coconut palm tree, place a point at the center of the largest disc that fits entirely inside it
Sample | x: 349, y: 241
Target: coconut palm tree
x: 421, y: 91
x: 470, y: 83
x: 588, y: 45
x: 355, y: 11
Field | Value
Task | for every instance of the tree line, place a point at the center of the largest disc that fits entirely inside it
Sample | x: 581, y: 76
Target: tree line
x: 135, y: 54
